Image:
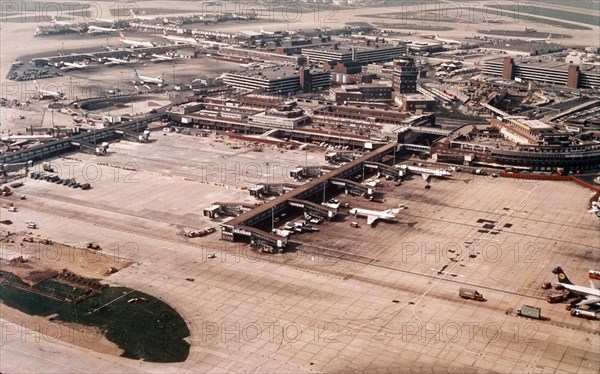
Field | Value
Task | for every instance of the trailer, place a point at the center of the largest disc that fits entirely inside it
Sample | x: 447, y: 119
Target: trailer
x: 467, y: 293
x: 530, y: 311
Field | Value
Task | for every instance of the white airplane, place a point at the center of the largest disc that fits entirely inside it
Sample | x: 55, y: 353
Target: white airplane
x: 161, y: 58
x: 447, y: 41
x: 143, y: 80
x: 179, y: 39
x: 117, y: 61
x: 62, y: 23
x: 250, y: 65
x: 545, y: 40
x: 591, y: 294
x: 75, y: 65
x: 492, y: 20
x: 211, y: 43
x: 135, y: 43
x: 141, y: 18
x: 264, y: 32
x: 101, y: 30
x: 48, y: 94
x: 426, y: 173
x: 374, y: 215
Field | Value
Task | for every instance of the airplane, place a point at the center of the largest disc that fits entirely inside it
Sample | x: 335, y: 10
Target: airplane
x: 100, y: 30
x: 141, y: 18
x: 143, y: 80
x: 117, y: 61
x: 135, y: 43
x: 545, y: 40
x: 211, y: 43
x: 75, y: 65
x: 161, y: 58
x: 447, y: 41
x: 492, y: 20
x: 179, y: 39
x: 426, y: 173
x: 591, y: 294
x: 48, y: 94
x: 250, y: 65
x: 264, y: 32
x: 62, y: 23
x: 374, y: 215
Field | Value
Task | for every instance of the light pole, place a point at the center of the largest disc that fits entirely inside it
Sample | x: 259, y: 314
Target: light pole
x: 267, y: 172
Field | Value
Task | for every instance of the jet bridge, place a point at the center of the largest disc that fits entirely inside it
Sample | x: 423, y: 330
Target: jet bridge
x: 313, y: 209
x: 134, y: 136
x: 352, y: 187
x: 86, y: 147
x: 383, y: 168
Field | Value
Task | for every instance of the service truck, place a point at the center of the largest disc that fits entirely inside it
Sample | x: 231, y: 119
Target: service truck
x: 467, y: 293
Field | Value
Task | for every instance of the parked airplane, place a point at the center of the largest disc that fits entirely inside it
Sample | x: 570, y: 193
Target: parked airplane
x: 135, y: 43
x: 426, y: 173
x: 447, y: 41
x: 161, y: 58
x: 179, y: 39
x: 492, y: 20
x: 264, y: 32
x: 374, y: 215
x: 545, y: 40
x: 141, y: 18
x: 62, y: 23
x: 143, y: 80
x: 101, y: 30
x: 48, y: 94
x: 591, y: 294
x: 75, y: 65
x: 117, y: 61
x: 211, y: 43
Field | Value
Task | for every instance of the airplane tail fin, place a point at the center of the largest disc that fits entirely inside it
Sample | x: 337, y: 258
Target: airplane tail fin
x: 562, y: 277
x: 121, y: 35
x: 165, y: 32
x: 54, y: 19
x: 132, y: 13
x: 37, y: 87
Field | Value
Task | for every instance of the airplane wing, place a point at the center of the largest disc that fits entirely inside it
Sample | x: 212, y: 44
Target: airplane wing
x: 371, y: 219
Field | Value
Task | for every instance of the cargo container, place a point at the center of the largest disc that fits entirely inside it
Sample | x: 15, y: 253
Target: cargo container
x: 530, y: 311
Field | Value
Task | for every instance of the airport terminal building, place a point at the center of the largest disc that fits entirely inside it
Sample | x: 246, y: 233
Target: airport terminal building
x: 362, y: 54
x: 279, y: 81
x: 571, y: 76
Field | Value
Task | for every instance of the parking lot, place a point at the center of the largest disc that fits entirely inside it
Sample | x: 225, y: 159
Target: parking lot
x: 342, y: 298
